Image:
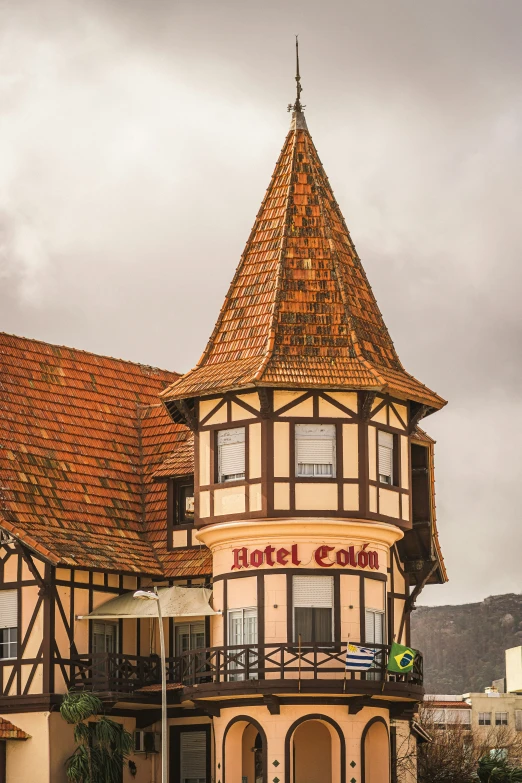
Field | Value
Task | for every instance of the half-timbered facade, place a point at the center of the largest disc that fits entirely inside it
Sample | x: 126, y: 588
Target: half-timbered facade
x: 287, y: 471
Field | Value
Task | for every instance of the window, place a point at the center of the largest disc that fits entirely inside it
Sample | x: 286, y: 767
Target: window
x: 313, y: 608
x: 374, y: 626
x: 501, y: 719
x: 193, y: 756
x: 104, y: 637
x: 190, y: 636
x: 242, y: 630
x: 484, y: 718
x: 315, y: 450
x: 185, y: 504
x: 231, y: 454
x: 8, y: 624
x: 385, y: 448
x: 518, y: 720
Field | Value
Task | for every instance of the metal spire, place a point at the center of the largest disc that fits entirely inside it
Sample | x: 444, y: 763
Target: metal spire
x: 297, y: 106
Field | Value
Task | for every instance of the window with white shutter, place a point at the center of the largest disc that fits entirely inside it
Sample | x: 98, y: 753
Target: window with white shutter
x: 518, y: 720
x: 484, y: 718
x: 8, y: 624
x: 313, y: 608
x: 385, y: 448
x: 231, y: 454
x: 374, y: 626
x: 501, y: 719
x: 193, y: 756
x: 315, y: 450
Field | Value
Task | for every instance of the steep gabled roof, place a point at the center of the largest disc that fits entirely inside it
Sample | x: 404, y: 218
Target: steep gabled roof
x: 80, y: 438
x: 300, y: 311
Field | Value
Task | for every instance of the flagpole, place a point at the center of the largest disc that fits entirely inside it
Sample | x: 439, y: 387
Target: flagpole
x: 345, y: 665
x: 299, y: 648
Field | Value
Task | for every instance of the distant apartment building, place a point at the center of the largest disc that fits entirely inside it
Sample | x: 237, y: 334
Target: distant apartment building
x: 475, y: 710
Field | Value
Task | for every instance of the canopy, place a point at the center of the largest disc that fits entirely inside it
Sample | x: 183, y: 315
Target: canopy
x: 174, y: 602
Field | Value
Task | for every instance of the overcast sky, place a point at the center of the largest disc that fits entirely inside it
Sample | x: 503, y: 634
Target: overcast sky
x: 137, y: 139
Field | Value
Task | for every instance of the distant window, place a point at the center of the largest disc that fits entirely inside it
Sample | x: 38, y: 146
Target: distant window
x: 484, y: 718
x: 313, y: 608
x: 231, y: 454
x: 104, y: 637
x: 315, y: 450
x: 8, y: 624
x: 501, y: 719
x: 385, y: 449
x: 185, y: 504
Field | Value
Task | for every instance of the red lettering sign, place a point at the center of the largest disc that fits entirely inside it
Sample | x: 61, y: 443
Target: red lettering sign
x: 270, y: 556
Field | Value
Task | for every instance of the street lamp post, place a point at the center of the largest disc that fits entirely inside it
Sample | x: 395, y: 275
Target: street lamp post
x: 147, y: 595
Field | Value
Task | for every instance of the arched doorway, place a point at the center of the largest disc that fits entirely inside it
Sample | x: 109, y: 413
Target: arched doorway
x: 376, y: 752
x: 244, y: 751
x: 312, y: 753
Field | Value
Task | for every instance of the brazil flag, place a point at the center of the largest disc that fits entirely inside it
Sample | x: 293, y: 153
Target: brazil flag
x: 401, y: 658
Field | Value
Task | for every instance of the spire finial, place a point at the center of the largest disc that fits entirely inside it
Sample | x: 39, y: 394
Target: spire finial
x: 297, y: 106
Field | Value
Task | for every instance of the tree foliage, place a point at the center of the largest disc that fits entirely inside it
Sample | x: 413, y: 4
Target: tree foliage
x: 102, y: 744
x: 459, y: 754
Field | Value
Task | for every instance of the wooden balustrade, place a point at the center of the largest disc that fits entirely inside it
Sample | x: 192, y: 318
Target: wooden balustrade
x: 120, y: 673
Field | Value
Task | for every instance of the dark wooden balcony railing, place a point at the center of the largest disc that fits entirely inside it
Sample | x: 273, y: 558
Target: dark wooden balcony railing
x: 116, y: 672
x: 284, y: 662
x: 121, y: 673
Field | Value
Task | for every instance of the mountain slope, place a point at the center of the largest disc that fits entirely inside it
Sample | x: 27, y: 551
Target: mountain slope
x: 463, y: 646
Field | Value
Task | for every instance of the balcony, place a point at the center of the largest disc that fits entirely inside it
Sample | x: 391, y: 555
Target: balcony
x: 252, y: 664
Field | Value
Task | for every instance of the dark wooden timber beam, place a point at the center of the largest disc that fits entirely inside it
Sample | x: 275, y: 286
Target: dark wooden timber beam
x: 418, y: 413
x: 366, y: 406
x: 265, y: 402
x: 187, y: 413
x: 410, y: 601
x: 273, y: 704
x: 22, y: 551
x: 212, y: 708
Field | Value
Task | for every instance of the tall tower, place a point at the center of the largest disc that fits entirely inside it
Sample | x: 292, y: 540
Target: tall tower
x: 314, y: 493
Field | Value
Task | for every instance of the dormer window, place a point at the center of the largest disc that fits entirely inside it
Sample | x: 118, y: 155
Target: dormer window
x: 231, y: 454
x: 385, y: 444
x: 185, y: 509
x: 315, y: 450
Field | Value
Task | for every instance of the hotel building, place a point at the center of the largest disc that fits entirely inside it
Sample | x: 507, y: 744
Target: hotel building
x: 287, y: 472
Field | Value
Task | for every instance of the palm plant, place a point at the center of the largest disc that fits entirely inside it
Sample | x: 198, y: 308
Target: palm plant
x: 495, y: 769
x: 102, y: 745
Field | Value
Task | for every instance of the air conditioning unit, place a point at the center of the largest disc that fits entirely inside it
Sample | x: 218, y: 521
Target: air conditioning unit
x: 146, y: 742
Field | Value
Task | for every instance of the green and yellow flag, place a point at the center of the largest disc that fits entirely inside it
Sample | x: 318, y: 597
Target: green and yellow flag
x: 401, y: 658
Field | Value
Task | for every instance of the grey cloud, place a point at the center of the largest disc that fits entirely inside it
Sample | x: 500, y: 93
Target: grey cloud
x: 137, y: 140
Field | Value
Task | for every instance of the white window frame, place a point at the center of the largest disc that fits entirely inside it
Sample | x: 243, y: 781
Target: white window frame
x: 385, y: 455
x: 484, y: 719
x: 322, y: 434
x: 9, y: 623
x: 501, y: 719
x: 368, y: 610
x: 235, y: 435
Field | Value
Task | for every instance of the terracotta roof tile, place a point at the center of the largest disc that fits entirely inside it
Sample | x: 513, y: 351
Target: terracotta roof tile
x: 81, y: 436
x: 300, y: 310
x: 8, y: 731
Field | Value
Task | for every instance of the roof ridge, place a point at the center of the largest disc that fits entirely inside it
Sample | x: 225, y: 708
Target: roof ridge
x: 87, y: 353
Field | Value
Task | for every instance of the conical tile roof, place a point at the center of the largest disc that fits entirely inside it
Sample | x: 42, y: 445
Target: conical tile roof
x: 300, y: 311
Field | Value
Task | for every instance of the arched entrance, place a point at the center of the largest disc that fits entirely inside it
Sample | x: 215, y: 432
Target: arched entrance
x: 312, y: 753
x: 244, y: 751
x: 376, y: 752
x: 315, y: 751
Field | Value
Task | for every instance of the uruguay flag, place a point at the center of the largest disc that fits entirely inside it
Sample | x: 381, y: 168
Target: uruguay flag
x: 359, y: 659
